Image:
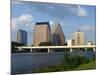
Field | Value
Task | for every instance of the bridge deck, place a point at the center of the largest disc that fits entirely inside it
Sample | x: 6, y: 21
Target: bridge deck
x: 42, y: 47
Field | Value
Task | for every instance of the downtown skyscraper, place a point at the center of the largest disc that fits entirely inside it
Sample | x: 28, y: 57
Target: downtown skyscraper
x: 42, y: 33
x: 22, y: 36
x: 58, y: 37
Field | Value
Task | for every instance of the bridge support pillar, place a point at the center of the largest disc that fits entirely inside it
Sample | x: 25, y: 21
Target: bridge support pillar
x: 86, y: 49
x: 71, y: 50
x: 31, y: 49
x: 94, y: 49
x: 19, y: 49
x: 48, y: 50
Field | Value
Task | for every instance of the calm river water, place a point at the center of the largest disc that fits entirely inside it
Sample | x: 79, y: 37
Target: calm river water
x: 22, y: 63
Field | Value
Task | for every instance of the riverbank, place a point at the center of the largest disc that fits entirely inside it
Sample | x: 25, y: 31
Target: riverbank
x: 22, y: 63
x: 69, y: 63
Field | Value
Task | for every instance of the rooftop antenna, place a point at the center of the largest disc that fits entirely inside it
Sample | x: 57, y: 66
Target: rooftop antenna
x: 78, y: 30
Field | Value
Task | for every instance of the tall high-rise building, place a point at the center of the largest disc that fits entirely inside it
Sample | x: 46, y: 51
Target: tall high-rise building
x: 58, y: 37
x: 22, y: 37
x: 78, y: 37
x: 42, y: 33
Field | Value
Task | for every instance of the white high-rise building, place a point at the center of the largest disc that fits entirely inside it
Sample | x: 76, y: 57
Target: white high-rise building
x: 78, y: 37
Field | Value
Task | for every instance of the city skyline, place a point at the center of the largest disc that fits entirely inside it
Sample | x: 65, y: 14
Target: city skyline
x: 72, y: 18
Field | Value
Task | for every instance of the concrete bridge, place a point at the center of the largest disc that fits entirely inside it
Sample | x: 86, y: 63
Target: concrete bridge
x: 49, y: 48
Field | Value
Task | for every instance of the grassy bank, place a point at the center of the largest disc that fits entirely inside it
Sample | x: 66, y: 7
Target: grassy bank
x: 90, y: 65
x: 70, y: 63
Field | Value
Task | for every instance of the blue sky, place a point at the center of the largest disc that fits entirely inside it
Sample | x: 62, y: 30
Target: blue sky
x: 72, y: 17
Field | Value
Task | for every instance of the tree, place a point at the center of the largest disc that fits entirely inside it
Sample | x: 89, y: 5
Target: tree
x: 13, y: 44
x: 45, y: 44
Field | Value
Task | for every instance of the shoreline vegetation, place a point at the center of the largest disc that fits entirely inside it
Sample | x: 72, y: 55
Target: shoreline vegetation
x: 69, y: 63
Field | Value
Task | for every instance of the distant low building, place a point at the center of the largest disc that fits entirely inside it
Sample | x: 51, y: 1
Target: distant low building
x: 71, y: 42
x: 89, y: 43
x: 22, y: 36
x: 58, y: 37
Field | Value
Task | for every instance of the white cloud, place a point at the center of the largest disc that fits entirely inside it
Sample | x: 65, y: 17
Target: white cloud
x: 81, y: 11
x: 14, y: 24
x: 16, y: 2
x: 78, y: 10
x: 23, y: 21
x: 26, y: 17
x: 51, y: 22
x: 87, y: 28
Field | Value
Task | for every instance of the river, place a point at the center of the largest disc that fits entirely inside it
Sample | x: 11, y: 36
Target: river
x: 22, y: 63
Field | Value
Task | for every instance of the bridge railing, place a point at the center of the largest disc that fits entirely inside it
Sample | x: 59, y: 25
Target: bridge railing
x: 55, y: 47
